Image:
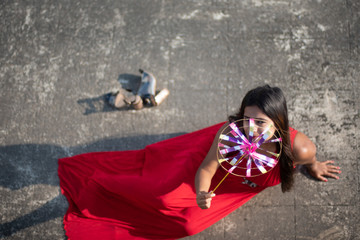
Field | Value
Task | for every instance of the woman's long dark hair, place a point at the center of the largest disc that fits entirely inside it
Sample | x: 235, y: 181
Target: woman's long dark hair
x: 272, y: 102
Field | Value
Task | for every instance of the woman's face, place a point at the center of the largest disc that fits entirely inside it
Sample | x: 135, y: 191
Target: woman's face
x: 261, y: 121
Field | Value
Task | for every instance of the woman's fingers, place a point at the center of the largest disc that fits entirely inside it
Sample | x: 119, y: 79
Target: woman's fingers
x: 329, y: 161
x: 204, y: 196
x: 328, y: 174
x: 203, y: 199
x: 332, y: 169
x: 321, y: 178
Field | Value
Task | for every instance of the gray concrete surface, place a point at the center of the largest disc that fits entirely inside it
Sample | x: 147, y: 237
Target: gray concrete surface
x: 57, y: 59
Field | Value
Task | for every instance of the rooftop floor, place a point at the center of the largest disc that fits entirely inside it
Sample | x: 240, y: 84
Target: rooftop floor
x: 58, y: 59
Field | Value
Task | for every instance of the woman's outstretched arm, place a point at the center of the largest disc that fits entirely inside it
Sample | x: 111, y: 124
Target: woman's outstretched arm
x: 305, y: 154
x: 205, y: 173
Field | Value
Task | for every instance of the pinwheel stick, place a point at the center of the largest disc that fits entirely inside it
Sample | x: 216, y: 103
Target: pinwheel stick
x: 226, y: 175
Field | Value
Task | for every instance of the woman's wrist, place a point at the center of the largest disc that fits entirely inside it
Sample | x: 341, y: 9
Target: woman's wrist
x: 201, y: 192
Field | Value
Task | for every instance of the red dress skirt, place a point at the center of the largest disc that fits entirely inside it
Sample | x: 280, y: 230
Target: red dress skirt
x: 149, y: 193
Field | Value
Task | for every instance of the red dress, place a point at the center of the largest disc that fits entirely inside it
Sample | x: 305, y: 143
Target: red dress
x: 149, y: 193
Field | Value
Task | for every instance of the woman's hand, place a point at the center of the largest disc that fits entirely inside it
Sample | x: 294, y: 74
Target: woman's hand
x: 321, y: 170
x: 203, y: 199
x: 305, y: 154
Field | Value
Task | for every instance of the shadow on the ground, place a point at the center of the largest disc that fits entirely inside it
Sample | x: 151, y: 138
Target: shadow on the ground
x: 304, y: 171
x: 31, y: 164
x: 98, y: 105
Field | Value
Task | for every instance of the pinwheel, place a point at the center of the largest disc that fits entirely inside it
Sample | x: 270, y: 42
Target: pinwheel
x: 242, y: 154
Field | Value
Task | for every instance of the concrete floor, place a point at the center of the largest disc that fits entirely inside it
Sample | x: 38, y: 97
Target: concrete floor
x: 58, y: 58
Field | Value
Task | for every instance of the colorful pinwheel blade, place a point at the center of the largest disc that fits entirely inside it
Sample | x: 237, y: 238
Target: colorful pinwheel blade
x: 251, y: 129
x: 230, y: 139
x: 263, y: 136
x: 239, y: 133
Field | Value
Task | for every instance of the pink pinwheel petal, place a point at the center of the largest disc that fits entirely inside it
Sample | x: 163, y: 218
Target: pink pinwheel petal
x: 221, y: 145
x: 238, y: 132
x: 248, y: 167
x: 251, y: 129
x: 235, y: 161
x: 230, y: 139
x: 263, y: 136
x: 260, y: 166
x: 264, y: 159
x: 230, y: 149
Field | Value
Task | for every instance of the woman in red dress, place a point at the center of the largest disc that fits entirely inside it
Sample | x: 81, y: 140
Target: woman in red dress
x: 150, y: 193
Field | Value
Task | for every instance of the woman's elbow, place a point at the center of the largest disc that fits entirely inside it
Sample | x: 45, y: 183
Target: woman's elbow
x: 306, y: 153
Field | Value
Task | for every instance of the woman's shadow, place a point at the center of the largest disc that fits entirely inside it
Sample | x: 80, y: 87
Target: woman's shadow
x: 33, y: 164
